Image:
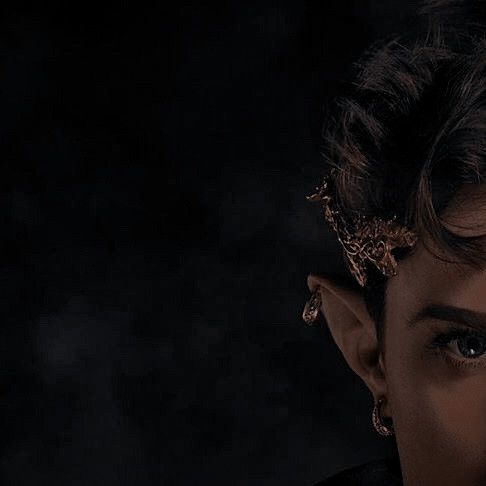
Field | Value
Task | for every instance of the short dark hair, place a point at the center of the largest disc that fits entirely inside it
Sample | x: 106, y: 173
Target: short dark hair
x: 410, y: 128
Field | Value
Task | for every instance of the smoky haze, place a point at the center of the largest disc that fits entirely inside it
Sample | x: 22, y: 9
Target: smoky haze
x: 156, y: 242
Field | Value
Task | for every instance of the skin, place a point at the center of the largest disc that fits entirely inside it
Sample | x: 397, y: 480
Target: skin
x: 436, y: 396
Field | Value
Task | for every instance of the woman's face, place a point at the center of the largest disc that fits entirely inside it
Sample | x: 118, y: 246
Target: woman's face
x: 435, y: 361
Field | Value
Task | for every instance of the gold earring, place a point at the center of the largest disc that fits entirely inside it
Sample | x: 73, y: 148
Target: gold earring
x: 377, y: 420
x: 312, y: 308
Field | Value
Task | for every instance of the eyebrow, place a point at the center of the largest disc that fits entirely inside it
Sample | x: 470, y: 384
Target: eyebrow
x: 450, y: 314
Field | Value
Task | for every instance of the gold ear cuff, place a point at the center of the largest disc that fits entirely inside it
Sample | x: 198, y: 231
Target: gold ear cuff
x: 363, y: 239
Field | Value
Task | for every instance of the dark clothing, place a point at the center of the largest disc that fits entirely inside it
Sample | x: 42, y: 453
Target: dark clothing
x: 382, y: 472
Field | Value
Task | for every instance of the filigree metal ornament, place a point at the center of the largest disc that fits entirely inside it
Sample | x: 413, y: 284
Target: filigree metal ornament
x: 312, y: 308
x: 363, y: 239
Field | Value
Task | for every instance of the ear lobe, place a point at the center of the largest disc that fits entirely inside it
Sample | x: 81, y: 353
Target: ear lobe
x: 353, y: 330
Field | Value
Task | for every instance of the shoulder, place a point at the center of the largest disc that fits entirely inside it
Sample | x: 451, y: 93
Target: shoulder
x: 381, y: 472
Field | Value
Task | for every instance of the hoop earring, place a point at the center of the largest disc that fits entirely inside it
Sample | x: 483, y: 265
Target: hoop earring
x: 377, y: 420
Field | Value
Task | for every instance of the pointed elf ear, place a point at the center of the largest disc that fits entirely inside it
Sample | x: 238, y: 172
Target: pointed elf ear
x: 352, y: 329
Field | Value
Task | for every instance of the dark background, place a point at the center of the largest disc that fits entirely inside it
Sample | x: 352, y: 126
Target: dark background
x: 156, y: 243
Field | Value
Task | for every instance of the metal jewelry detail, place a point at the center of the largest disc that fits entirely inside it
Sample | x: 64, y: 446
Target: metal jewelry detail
x: 364, y: 239
x: 377, y: 423
x: 312, y: 308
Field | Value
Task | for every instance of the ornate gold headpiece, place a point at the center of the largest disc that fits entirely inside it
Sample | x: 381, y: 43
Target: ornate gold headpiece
x: 364, y: 239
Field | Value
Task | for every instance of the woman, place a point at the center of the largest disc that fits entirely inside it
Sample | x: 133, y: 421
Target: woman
x: 406, y: 197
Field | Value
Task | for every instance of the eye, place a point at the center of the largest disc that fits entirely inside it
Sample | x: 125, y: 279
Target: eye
x: 462, y: 347
x: 470, y: 346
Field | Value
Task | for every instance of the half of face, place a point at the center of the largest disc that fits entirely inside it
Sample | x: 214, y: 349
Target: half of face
x: 432, y: 367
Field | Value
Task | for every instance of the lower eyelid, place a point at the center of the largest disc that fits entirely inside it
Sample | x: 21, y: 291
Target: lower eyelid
x: 463, y: 364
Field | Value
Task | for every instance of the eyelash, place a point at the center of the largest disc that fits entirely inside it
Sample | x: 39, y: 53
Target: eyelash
x: 443, y: 339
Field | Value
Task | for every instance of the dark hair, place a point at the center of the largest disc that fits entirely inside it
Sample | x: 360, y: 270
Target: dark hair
x: 410, y: 128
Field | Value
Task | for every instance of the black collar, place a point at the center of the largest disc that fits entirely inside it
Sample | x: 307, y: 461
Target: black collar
x: 381, y: 472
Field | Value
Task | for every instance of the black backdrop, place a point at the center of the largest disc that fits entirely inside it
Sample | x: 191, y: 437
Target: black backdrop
x: 156, y: 242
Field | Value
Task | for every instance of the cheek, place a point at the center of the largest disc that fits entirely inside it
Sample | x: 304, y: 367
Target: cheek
x: 438, y: 412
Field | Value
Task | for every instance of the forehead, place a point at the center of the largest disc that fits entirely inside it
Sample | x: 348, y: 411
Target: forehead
x: 423, y: 278
x: 466, y: 213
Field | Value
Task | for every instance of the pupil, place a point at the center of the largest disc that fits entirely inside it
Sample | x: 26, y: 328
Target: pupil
x: 471, y: 347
